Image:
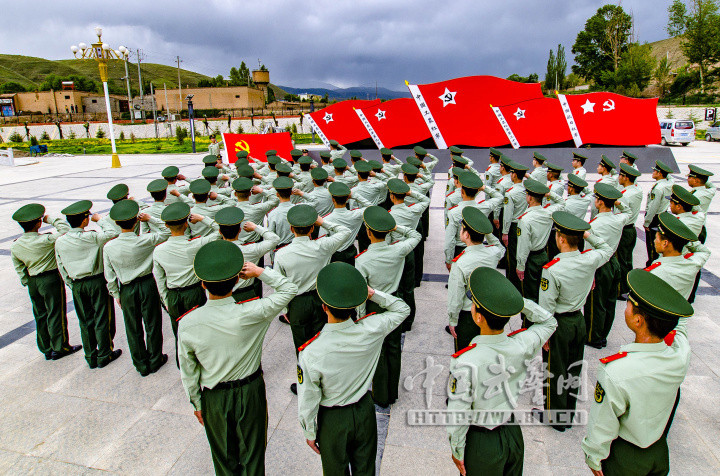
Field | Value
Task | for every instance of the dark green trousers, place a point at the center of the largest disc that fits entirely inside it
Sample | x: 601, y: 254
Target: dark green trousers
x: 95, y: 310
x: 511, y: 258
x: 497, y: 231
x: 236, y: 427
x: 406, y: 289
x: 564, y: 359
x: 140, y: 304
x: 306, y: 317
x: 345, y: 256
x: 47, y: 295
x: 627, y: 459
x: 701, y: 237
x: 362, y: 238
x: 650, y: 241
x: 466, y: 330
x: 601, y: 302
x: 552, y: 249
x: 387, y: 374
x: 347, y: 437
x: 180, y: 301
x: 419, y: 254
x: 625, y: 256
x: 496, y: 452
x: 533, y: 271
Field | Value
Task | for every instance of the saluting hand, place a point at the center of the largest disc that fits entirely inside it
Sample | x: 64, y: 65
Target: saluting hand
x: 312, y: 444
x: 319, y: 221
x: 249, y: 226
x: 460, y: 465
x: 174, y: 193
x: 96, y: 217
x: 212, y: 195
x: 196, y: 217
x: 181, y: 177
x: 144, y: 217
x: 251, y: 270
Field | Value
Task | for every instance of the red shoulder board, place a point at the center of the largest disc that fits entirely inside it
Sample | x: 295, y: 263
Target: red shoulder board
x: 688, y: 255
x: 462, y: 351
x: 358, y: 255
x: 509, y: 189
x: 393, y: 243
x: 547, y: 205
x: 195, y: 238
x: 366, y: 315
x: 191, y: 310
x: 248, y: 243
x: 522, y: 215
x: 458, y: 256
x: 481, y: 201
x: 653, y: 266
x: 488, y: 168
x: 610, y: 358
x: 412, y: 204
x: 516, y: 332
x: 583, y: 252
x: 552, y: 262
x: 302, y: 347
x: 499, y: 180
x: 670, y: 338
x: 248, y: 300
x: 447, y: 195
x: 452, y: 207
x: 695, y: 212
x: 598, y: 180
x: 281, y: 247
x: 592, y: 220
x: 623, y: 190
x: 577, y: 172
x: 327, y: 214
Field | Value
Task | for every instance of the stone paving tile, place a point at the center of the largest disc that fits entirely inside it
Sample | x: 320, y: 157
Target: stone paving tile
x: 196, y: 459
x: 288, y: 454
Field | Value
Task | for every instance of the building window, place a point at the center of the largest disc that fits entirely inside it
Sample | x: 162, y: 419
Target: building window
x: 94, y: 101
x: 67, y: 97
x: 237, y: 96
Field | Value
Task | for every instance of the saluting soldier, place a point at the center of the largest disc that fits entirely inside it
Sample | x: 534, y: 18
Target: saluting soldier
x: 656, y: 203
x: 578, y: 164
x: 492, y: 172
x: 638, y: 389
x: 351, y: 219
x: 632, y: 197
x: 342, y: 174
x: 539, y: 173
x: 79, y: 259
x: 128, y: 272
x: 319, y: 197
x: 253, y: 211
x: 605, y: 169
x: 628, y: 158
x: 116, y: 194
x: 554, y: 183
x: 355, y: 157
x: 576, y: 203
x: 33, y: 256
x: 686, y: 206
x: 410, y: 176
x: 172, y: 174
x: 476, y: 227
x: 220, y: 347
x: 325, y: 161
x: 470, y: 185
x: 336, y: 150
x: 336, y: 368
x: 158, y: 189
x: 277, y: 217
x: 214, y: 147
x: 454, y: 197
x: 514, y: 206
x: 564, y: 287
x: 390, y: 163
x: 295, y: 155
x: 459, y: 162
x: 704, y: 190
x: 494, y: 447
x: 501, y: 186
x: 371, y: 192
x: 202, y: 194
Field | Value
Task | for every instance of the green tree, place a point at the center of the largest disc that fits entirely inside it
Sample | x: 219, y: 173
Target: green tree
x: 663, y: 77
x: 12, y: 87
x: 556, y: 68
x: 270, y: 95
x: 635, y: 70
x: 81, y: 83
x: 550, y: 72
x: 599, y: 47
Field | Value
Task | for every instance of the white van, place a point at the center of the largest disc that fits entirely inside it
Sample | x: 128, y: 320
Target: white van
x: 677, y: 131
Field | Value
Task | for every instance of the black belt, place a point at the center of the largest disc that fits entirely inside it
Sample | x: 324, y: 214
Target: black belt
x: 537, y: 252
x: 88, y: 278
x: 567, y: 314
x: 308, y: 293
x: 187, y: 288
x: 139, y: 279
x: 367, y: 395
x: 46, y: 273
x: 237, y: 383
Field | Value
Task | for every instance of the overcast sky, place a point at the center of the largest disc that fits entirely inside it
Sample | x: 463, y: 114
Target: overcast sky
x: 345, y: 43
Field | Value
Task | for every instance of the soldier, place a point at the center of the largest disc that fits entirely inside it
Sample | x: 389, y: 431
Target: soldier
x: 656, y: 203
x: 514, y: 206
x: 295, y: 155
x: 319, y: 197
x: 495, y: 447
x: 410, y: 176
x: 638, y: 389
x: 128, y: 272
x: 475, y: 228
x: 390, y: 163
x: 671, y: 239
x: 355, y: 157
x: 214, y: 147
x: 492, y: 172
x: 686, y: 206
x: 539, y: 173
x: 470, y: 186
x: 371, y: 192
x: 342, y: 174
x: 578, y: 164
x: 335, y: 370
x: 79, y: 258
x: 33, y: 256
x: 350, y: 219
x: 336, y: 150
x: 158, y: 189
x: 116, y: 194
x: 553, y: 179
x: 454, y: 197
x: 171, y: 175
x: 326, y: 164
x: 381, y: 265
x: 254, y: 211
x: 564, y: 287
x: 628, y: 158
x: 277, y: 217
x: 220, y: 347
x: 576, y: 203
x: 632, y: 197
x: 704, y: 190
x: 201, y: 191
x: 605, y: 169
x: 503, y: 183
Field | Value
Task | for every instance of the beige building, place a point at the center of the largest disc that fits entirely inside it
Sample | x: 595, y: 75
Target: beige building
x: 59, y: 102
x: 233, y: 97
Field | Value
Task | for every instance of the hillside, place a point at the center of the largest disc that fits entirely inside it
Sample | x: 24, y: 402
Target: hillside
x: 671, y: 48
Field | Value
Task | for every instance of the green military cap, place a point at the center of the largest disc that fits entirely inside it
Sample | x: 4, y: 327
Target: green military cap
x: 606, y: 191
x: 209, y: 159
x: 124, y: 210
x: 517, y: 167
x: 78, y: 208
x: 242, y: 154
x: 29, y: 212
x: 414, y: 161
x: 495, y: 153
x: 459, y: 159
x: 553, y: 167
x: 420, y: 151
x: 505, y: 160
x: 283, y: 169
x: 377, y: 166
x: 579, y: 157
x: 339, y: 189
x: 282, y: 183
x: 681, y: 194
x: 200, y: 187
x: 696, y: 171
x: 245, y: 171
x: 270, y: 152
x: 218, y: 261
x: 241, y: 161
x: 273, y: 159
x: 355, y: 154
x: 397, y: 186
x: 341, y: 286
x: 229, y: 216
x: 409, y: 169
x: 334, y: 143
x: 170, y: 172
x: 118, y: 192
x: 671, y: 225
x: 378, y: 219
x: 386, y: 152
x: 476, y: 220
x: 569, y: 224
x: 470, y: 180
x: 456, y: 171
x: 533, y: 187
x: 494, y: 294
x: 158, y: 185
x: 296, y: 153
x: 325, y: 154
x: 656, y: 297
x: 630, y: 156
x: 607, y: 163
x: 175, y: 212
x: 363, y: 166
x: 576, y: 181
x: 539, y: 157
x: 629, y: 170
x: 305, y: 159
x: 242, y: 184
x: 661, y: 166
x: 210, y: 171
x: 318, y: 173
x: 339, y: 164
x: 455, y: 150
x: 302, y: 215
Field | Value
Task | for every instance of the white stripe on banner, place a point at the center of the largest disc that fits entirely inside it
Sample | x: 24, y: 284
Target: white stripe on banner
x: 317, y: 129
x: 427, y: 115
x: 570, y: 120
x: 369, y: 128
x: 226, y: 155
x: 506, y: 127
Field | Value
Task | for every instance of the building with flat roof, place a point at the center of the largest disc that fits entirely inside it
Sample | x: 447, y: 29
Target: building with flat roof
x: 231, y: 97
x: 58, y: 102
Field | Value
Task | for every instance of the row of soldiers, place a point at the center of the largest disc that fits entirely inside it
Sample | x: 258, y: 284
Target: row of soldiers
x: 335, y: 373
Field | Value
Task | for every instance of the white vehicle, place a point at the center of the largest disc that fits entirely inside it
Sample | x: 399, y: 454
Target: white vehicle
x: 713, y: 132
x: 677, y: 131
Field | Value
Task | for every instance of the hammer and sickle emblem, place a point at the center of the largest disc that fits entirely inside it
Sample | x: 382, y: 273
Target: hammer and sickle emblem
x: 242, y: 145
x: 608, y: 105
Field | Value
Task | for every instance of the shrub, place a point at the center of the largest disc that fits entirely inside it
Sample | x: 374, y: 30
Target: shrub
x: 122, y: 135
x: 240, y: 129
x: 293, y: 128
x: 132, y: 137
x: 72, y: 134
x: 33, y: 140
x: 181, y: 134
x: 100, y: 134
x: 15, y: 137
x: 44, y: 136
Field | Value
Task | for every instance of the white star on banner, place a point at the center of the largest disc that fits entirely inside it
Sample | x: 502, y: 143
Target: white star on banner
x: 588, y: 107
x: 448, y: 97
x: 519, y: 114
x: 380, y: 115
x: 328, y: 118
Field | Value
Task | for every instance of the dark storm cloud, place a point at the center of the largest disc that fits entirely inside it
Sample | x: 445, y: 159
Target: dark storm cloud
x: 340, y: 42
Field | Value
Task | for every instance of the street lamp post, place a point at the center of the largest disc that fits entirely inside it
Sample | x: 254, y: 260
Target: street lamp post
x: 102, y: 53
x: 191, y: 116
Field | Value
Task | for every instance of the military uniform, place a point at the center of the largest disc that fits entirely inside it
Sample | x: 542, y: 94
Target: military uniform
x: 277, y: 217
x: 632, y: 197
x: 515, y: 205
x: 319, y: 197
x: 350, y: 219
x: 338, y: 152
x: 115, y: 194
x: 539, y: 173
x: 492, y: 172
x: 453, y: 243
x: 254, y: 212
x: 608, y: 179
x: 656, y: 203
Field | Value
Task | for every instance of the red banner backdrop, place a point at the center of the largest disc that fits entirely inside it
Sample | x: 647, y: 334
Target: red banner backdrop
x: 535, y: 122
x: 394, y: 123
x: 257, y: 144
x: 340, y: 122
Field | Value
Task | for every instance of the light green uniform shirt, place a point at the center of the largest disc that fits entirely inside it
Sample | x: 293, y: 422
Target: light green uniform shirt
x: 254, y: 251
x: 503, y: 183
x: 408, y: 214
x: 154, y: 210
x: 680, y: 271
x: 705, y: 194
x: 657, y: 199
x: 337, y: 367
x: 454, y: 227
x: 203, y: 228
x: 574, y: 204
x: 347, y: 177
x: 372, y: 192
x: 539, y: 174
x: 609, y: 225
x: 451, y: 200
x: 471, y: 375
x: 635, y: 395
x: 492, y: 175
x: 533, y: 231
x: 34, y: 253
x: 607, y: 179
x: 278, y: 223
x: 632, y: 197
x: 320, y: 199
x: 350, y: 219
x: 255, y: 212
x: 79, y: 253
x: 693, y: 220
x: 515, y: 205
x: 221, y: 341
x: 337, y: 153
x: 580, y: 172
x: 214, y: 149
x: 392, y: 168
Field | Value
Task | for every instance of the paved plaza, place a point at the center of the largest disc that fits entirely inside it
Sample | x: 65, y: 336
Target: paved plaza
x: 60, y: 417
